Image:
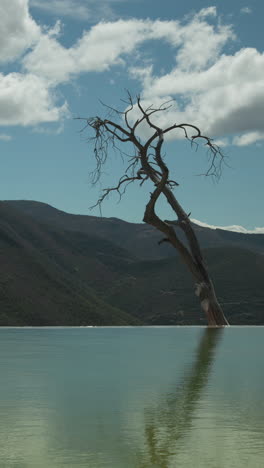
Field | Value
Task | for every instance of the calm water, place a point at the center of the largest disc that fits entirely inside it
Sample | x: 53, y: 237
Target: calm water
x: 132, y: 398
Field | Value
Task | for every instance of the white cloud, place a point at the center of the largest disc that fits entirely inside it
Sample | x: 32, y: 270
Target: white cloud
x: 204, y: 12
x: 27, y: 100
x: 234, y: 228
x: 72, y: 8
x: 56, y: 129
x: 50, y: 60
x: 222, y: 94
x: 4, y: 137
x: 95, y: 51
x: 222, y: 142
x: 248, y: 138
x: 201, y: 42
x: 107, y: 43
x: 101, y: 47
x: 93, y: 10
x: 246, y: 10
x: 224, y: 98
x: 18, y: 30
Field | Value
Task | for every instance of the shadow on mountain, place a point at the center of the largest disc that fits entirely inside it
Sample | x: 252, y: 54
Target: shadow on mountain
x: 63, y: 269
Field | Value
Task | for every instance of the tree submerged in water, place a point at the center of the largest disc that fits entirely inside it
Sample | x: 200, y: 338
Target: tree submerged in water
x: 148, y: 164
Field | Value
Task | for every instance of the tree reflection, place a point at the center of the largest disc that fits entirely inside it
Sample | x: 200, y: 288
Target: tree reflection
x: 168, y: 423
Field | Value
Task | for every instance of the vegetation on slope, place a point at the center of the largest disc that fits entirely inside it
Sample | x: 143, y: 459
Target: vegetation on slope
x: 54, y: 276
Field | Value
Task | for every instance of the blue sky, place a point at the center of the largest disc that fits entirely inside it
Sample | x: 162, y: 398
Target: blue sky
x: 58, y: 58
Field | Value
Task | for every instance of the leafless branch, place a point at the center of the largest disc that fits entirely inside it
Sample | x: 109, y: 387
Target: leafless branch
x: 123, y: 182
x: 148, y: 163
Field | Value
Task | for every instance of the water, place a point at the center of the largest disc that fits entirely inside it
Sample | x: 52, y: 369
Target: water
x: 132, y: 398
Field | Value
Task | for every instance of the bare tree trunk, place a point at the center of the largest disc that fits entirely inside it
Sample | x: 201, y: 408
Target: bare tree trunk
x: 148, y: 159
x: 191, y: 256
x: 204, y: 288
x: 210, y: 305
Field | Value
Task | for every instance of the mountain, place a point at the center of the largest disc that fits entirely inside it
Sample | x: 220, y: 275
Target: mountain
x: 63, y: 269
x: 40, y: 282
x: 161, y: 291
x: 139, y: 239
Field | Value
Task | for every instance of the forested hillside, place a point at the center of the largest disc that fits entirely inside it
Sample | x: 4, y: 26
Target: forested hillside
x: 63, y: 269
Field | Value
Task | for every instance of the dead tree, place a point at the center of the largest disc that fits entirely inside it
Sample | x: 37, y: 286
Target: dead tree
x: 147, y: 164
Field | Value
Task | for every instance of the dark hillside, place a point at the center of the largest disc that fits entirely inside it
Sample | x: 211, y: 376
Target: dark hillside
x: 54, y: 275
x: 161, y: 291
x: 39, y: 279
x: 140, y: 240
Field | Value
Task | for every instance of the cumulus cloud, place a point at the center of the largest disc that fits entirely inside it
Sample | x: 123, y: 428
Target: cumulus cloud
x: 224, y: 98
x: 73, y: 8
x: 77, y: 9
x: 49, y: 60
x: 27, y: 100
x: 5, y: 137
x: 97, y: 50
x: 101, y: 47
x: 248, y: 138
x: 201, y: 41
x: 222, y: 94
x: 246, y: 10
x: 222, y: 142
x: 234, y: 228
x: 197, y: 44
x: 18, y: 30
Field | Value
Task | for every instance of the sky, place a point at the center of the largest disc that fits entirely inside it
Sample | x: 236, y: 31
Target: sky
x: 60, y: 58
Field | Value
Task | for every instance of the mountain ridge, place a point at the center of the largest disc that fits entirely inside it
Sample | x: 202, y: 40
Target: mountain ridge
x: 138, y: 238
x: 37, y: 279
x: 61, y: 270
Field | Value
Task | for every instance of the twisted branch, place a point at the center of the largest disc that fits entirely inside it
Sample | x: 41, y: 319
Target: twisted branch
x: 147, y: 163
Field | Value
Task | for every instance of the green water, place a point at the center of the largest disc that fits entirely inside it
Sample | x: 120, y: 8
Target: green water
x: 132, y: 398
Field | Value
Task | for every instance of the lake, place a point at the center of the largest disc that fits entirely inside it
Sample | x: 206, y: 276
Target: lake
x: 143, y: 397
